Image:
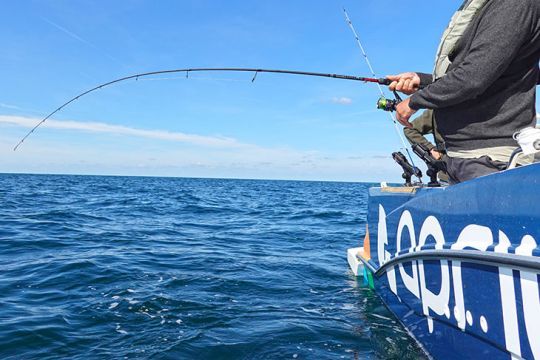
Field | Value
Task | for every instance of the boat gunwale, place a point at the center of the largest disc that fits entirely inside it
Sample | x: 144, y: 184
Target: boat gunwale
x: 514, y: 261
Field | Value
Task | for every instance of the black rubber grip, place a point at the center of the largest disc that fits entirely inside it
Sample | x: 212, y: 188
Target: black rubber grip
x: 385, y: 81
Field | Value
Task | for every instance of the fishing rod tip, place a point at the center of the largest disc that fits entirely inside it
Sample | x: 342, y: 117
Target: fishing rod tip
x: 19, y: 144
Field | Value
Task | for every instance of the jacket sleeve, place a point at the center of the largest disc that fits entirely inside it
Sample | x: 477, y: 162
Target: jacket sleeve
x: 425, y: 79
x: 504, y: 27
x: 422, y: 125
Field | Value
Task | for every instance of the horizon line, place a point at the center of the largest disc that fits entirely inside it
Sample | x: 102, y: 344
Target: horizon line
x: 188, y: 177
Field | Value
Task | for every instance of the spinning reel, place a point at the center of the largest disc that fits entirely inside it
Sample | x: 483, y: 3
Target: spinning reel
x: 386, y: 104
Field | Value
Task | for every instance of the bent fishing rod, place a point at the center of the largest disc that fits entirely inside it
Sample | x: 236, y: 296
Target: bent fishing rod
x: 379, y: 81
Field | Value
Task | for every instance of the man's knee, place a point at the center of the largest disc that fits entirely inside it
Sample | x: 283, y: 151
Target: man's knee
x: 460, y: 170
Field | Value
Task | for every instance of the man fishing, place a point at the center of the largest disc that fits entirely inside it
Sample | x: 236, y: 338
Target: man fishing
x: 483, y: 86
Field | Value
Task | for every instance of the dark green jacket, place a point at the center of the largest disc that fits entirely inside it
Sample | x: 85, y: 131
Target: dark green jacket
x: 422, y: 126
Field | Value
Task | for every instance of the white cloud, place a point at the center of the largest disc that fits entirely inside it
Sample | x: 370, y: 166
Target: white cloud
x: 8, y: 106
x: 212, y: 141
x: 342, y: 100
x: 19, y: 109
x: 209, y: 156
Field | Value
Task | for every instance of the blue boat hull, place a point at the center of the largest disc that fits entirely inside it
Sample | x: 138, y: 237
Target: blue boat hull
x: 460, y: 266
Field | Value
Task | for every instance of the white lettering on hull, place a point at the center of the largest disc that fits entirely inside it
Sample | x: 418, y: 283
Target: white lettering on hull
x: 384, y: 256
x: 531, y: 299
x: 411, y: 282
x: 508, y: 302
x: 479, y: 238
x: 436, y: 302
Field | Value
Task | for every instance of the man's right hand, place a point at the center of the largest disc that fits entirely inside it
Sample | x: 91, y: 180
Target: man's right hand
x: 407, y: 83
x: 436, y: 154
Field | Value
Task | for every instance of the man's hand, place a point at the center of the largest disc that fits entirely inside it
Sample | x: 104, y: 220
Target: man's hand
x: 436, y: 154
x: 407, y: 83
x: 404, y: 112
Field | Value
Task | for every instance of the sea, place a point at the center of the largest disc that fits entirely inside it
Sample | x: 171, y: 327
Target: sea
x: 107, y: 267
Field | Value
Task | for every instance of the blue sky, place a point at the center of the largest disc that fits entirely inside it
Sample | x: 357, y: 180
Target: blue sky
x: 212, y: 124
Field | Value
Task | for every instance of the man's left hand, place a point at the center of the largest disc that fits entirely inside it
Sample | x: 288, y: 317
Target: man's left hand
x: 404, y: 112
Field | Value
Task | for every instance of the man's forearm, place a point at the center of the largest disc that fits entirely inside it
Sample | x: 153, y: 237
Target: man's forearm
x: 414, y: 137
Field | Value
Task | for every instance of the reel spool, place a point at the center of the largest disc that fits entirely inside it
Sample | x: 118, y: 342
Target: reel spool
x: 386, y: 104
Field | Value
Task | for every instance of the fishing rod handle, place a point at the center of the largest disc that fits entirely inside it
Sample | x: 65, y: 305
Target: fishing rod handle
x: 387, y: 82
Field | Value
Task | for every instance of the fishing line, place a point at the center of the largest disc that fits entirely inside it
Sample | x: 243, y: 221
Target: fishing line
x: 380, y: 81
x: 351, y: 26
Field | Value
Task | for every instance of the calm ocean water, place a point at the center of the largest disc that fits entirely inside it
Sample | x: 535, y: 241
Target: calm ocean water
x: 125, y: 267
